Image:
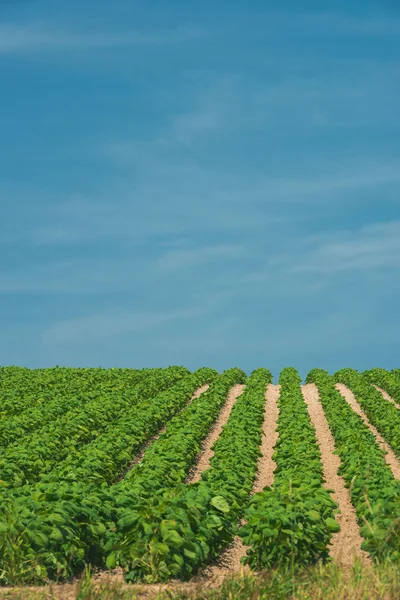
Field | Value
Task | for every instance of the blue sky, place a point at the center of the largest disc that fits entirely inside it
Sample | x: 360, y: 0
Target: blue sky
x: 211, y: 183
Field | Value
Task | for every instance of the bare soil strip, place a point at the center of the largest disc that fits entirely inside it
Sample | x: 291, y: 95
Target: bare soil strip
x: 346, y: 544
x: 203, y: 461
x: 141, y: 452
x: 267, y: 466
x: 229, y: 560
x: 390, y: 457
x: 386, y: 396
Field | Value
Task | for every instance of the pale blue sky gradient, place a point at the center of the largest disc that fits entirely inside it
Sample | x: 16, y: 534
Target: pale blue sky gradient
x: 211, y: 183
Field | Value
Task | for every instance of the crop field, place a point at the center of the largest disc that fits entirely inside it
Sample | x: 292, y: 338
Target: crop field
x: 167, y: 474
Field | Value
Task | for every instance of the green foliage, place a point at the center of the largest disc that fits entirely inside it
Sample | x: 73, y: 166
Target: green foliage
x: 70, y: 496
x: 52, y: 393
x: 375, y: 493
x: 292, y: 521
x: 64, y: 524
x: 380, y: 412
x: 28, y: 461
x: 204, y: 515
x: 387, y: 380
x: 105, y: 458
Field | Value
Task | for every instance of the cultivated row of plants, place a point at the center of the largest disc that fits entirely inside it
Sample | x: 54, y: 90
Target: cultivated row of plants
x: 387, y: 380
x: 66, y: 392
x: 22, y: 388
x: 61, y: 526
x: 375, y: 493
x: 63, y: 503
x: 291, y: 522
x: 28, y: 460
x: 381, y: 413
x: 173, y: 533
x: 105, y: 458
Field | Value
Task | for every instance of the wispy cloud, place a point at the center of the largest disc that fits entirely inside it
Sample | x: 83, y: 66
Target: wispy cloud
x: 317, y: 265
x: 368, y: 176
x: 372, y: 247
x: 336, y: 23
x: 119, y: 321
x: 79, y: 276
x: 328, y: 23
x: 172, y: 198
x: 177, y: 260
x: 39, y: 36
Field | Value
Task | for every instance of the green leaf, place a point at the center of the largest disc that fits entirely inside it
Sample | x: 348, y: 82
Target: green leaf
x: 147, y: 529
x: 160, y: 547
x: 178, y: 559
x: 314, y: 514
x: 220, y: 504
x: 111, y: 561
x: 189, y: 553
x: 173, y: 538
x: 332, y: 525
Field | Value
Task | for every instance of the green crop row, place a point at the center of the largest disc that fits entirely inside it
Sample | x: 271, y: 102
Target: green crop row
x: 65, y: 525
x: 28, y: 461
x: 375, y: 493
x: 292, y: 521
x: 105, y: 458
x: 23, y: 390
x: 172, y: 534
x: 69, y: 394
x: 167, y: 461
x: 386, y: 380
x: 380, y: 412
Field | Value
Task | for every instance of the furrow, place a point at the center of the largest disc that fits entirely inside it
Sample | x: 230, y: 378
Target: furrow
x: 203, y: 462
x: 266, y: 464
x: 390, y: 457
x: 230, y: 560
x: 346, y: 544
x: 136, y: 460
x: 386, y: 395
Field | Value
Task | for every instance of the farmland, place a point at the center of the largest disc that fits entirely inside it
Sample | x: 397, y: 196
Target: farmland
x: 167, y: 474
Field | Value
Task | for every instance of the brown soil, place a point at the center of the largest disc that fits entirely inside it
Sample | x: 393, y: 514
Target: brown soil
x: 203, y: 462
x: 390, y: 457
x: 141, y: 452
x: 346, y: 544
x: 266, y: 466
x: 386, y: 396
x: 229, y: 560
